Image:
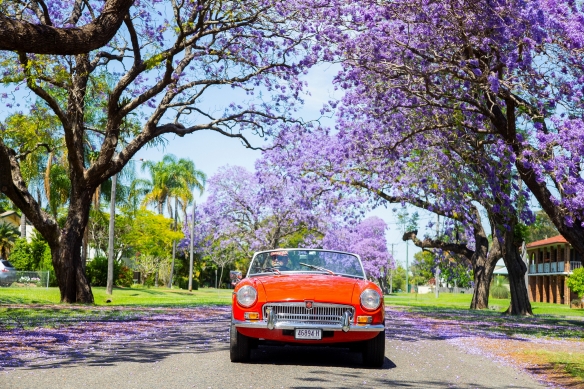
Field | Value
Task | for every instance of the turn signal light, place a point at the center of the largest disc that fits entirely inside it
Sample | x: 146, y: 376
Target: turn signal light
x: 252, y: 316
x: 364, y: 319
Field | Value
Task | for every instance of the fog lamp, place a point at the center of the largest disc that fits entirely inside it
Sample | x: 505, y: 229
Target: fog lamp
x: 251, y: 316
x: 364, y: 319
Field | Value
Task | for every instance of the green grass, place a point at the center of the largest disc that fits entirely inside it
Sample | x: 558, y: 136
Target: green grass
x: 141, y: 297
x: 126, y: 304
x: 462, y: 301
x: 568, y: 362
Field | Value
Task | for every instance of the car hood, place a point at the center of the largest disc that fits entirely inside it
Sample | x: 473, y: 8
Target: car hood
x: 321, y: 288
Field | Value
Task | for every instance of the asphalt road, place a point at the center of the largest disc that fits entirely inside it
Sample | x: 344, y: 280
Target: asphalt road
x: 197, y: 356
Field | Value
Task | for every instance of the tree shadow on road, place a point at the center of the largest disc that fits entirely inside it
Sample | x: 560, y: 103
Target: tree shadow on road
x: 311, y: 356
x: 102, y: 343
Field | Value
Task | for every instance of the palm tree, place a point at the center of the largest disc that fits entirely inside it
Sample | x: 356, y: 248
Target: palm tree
x: 184, y: 178
x: 170, y: 178
x: 155, y: 190
x: 8, y: 234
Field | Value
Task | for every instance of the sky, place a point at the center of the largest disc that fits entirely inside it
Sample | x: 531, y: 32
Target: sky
x: 210, y: 151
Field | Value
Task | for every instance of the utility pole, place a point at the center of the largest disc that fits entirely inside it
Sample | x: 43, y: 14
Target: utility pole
x: 191, y: 248
x: 110, y: 250
x: 173, y: 244
x: 437, y: 277
x: 391, y: 273
x: 407, y: 268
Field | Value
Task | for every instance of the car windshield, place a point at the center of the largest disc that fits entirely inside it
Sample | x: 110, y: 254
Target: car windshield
x: 6, y: 263
x: 306, y: 261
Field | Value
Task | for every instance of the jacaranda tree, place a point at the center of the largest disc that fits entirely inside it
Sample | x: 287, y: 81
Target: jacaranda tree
x: 158, y: 67
x: 505, y: 74
x: 420, y: 171
x: 510, y: 69
x: 247, y: 212
x: 367, y: 239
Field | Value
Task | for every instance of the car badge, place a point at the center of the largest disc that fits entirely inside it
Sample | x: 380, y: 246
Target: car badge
x: 308, y: 304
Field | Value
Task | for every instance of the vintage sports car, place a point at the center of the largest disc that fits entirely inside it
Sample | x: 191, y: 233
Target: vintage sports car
x: 307, y: 296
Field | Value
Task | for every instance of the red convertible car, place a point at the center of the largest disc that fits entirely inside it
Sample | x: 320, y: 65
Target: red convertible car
x: 308, y: 296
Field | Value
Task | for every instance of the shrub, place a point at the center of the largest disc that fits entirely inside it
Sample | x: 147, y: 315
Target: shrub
x: 576, y: 282
x: 126, y: 277
x: 97, y: 272
x: 183, y: 283
x: 21, y: 255
x: 576, y: 303
x: 499, y: 288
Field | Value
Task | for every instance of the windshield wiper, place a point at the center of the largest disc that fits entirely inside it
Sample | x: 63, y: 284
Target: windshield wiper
x: 270, y: 269
x: 317, y: 268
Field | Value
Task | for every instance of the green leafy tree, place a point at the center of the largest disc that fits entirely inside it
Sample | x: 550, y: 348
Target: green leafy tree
x: 576, y: 282
x: 542, y: 228
x: 97, y: 272
x: 21, y: 255
x: 33, y: 255
x: 406, y: 221
x: 399, y: 278
x: 455, y: 270
x: 151, y: 234
x: 5, y: 203
x: 151, y: 237
x: 98, y: 233
x: 423, y: 267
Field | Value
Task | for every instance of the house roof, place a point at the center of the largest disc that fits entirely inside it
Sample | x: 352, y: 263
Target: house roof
x: 545, y: 242
x: 8, y: 213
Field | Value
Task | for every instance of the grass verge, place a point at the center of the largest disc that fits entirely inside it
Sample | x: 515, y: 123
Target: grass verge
x: 462, y: 301
x: 159, y: 297
x: 27, y: 308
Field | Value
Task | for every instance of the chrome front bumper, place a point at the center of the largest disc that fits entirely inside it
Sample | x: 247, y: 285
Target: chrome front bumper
x: 282, y: 325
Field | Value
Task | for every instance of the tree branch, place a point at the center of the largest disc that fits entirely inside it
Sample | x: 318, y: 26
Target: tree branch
x: 23, y: 36
x: 438, y: 244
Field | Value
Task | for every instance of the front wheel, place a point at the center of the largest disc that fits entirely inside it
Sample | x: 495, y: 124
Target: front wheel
x: 374, y: 351
x: 239, y: 345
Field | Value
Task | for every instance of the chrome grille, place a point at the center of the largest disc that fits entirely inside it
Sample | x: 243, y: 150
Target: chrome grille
x: 319, y: 314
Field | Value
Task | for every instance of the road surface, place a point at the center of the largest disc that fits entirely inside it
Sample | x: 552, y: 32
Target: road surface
x: 196, y: 355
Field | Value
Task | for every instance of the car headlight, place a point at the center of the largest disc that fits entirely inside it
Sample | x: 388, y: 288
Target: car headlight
x: 370, y: 299
x: 246, y: 296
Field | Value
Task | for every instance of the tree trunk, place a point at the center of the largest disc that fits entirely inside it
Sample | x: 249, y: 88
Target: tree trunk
x: 483, y: 267
x: 516, y: 268
x: 66, y: 255
x: 84, y: 248
x: 382, y: 284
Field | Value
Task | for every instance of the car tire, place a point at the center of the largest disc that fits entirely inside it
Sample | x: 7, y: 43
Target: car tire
x: 374, y: 351
x: 239, y: 345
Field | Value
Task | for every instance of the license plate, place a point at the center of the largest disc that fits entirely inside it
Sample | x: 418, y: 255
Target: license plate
x: 305, y: 333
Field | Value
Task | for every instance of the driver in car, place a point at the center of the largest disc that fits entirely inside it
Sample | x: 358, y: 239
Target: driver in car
x: 281, y: 262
